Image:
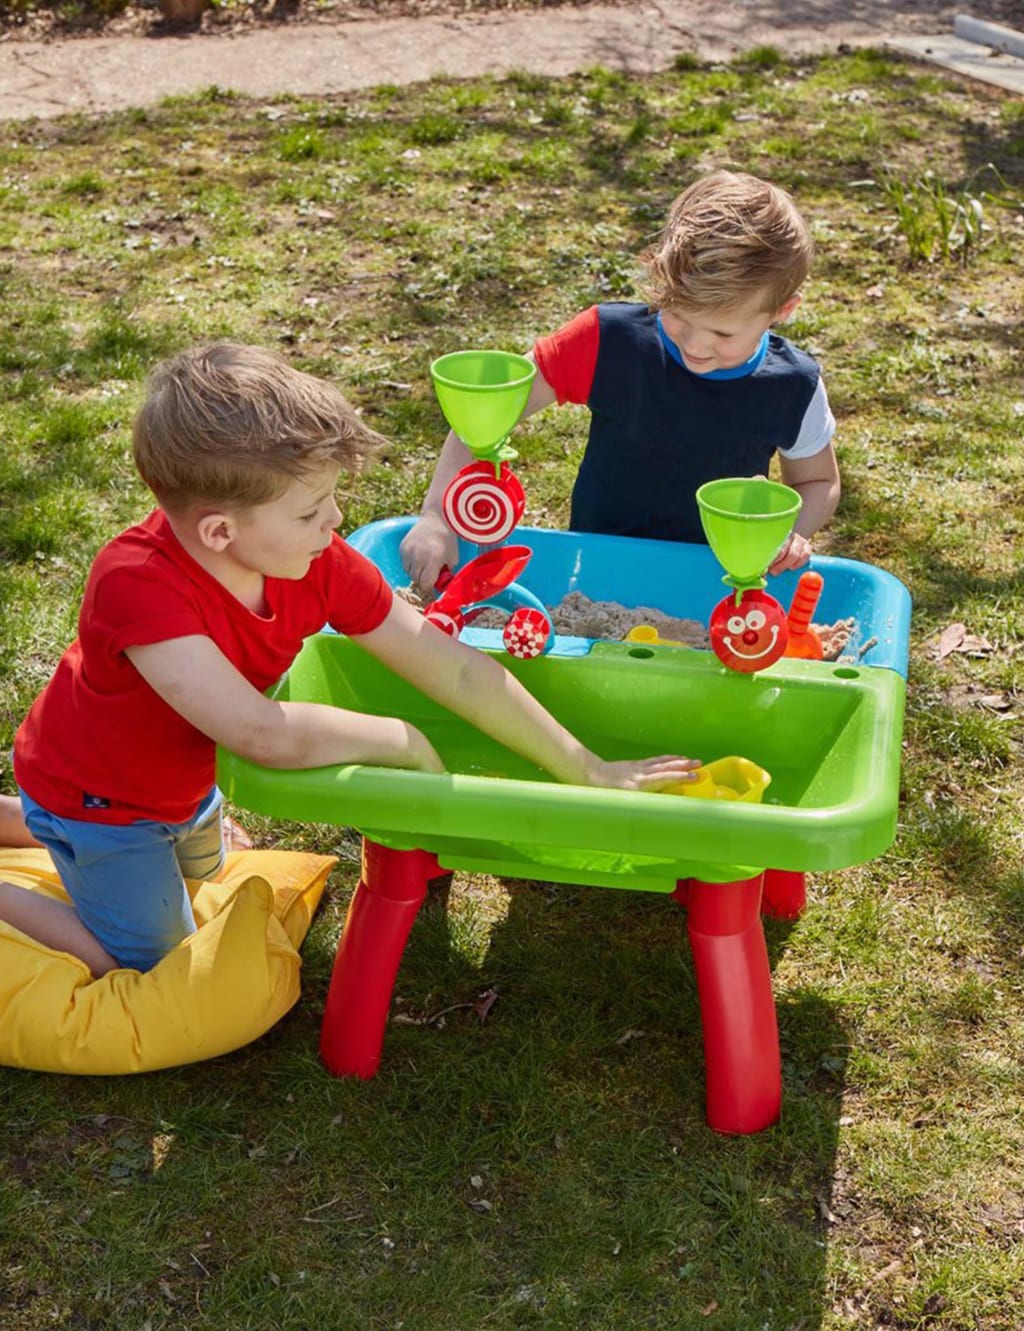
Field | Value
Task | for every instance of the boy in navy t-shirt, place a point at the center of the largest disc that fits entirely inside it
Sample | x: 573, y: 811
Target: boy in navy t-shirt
x: 691, y: 387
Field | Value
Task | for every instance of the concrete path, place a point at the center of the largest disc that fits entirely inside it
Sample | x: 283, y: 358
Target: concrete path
x: 111, y: 73
x: 972, y: 60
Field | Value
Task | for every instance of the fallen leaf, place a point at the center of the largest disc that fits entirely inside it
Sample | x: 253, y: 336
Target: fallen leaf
x: 826, y: 1212
x: 952, y: 636
x: 995, y: 702
x: 955, y: 638
x: 483, y: 1003
x: 711, y: 1308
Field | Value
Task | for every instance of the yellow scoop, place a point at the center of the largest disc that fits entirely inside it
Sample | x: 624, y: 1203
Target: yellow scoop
x: 647, y: 633
x: 730, y: 778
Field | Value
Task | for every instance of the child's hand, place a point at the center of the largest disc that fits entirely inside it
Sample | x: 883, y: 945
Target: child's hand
x: 642, y: 773
x: 427, y: 548
x: 794, y: 554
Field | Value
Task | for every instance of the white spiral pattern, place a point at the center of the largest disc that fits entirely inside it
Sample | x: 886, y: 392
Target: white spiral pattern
x: 478, y: 509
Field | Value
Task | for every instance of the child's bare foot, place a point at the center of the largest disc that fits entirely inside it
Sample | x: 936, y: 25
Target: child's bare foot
x: 235, y: 836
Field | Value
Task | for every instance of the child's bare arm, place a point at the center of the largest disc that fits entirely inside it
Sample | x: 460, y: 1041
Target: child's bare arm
x: 479, y: 689
x: 817, y: 481
x: 193, y: 676
x: 431, y: 543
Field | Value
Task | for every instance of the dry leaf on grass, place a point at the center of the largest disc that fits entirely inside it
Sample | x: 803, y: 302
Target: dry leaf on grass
x: 481, y: 1005
x: 826, y: 1212
x: 955, y: 638
x: 995, y: 702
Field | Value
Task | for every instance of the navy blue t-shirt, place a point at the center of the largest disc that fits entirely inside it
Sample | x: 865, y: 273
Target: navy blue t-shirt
x: 658, y: 431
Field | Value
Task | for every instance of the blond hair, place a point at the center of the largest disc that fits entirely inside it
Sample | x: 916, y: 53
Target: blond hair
x: 233, y: 424
x: 729, y: 237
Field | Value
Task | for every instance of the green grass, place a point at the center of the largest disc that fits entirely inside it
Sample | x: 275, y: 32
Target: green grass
x: 551, y: 1167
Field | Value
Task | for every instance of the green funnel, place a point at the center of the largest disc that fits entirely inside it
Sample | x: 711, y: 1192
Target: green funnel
x: 746, y: 521
x: 482, y: 394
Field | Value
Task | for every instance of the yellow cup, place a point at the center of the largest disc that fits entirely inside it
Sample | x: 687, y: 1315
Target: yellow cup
x: 703, y: 788
x: 731, y: 778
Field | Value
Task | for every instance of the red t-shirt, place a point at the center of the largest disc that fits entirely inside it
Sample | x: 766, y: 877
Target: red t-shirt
x: 99, y: 744
x: 568, y: 358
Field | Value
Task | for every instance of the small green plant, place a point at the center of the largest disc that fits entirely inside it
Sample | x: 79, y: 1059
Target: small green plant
x: 86, y: 184
x: 761, y: 57
x: 434, y: 128
x: 302, y: 144
x: 936, y: 222
x: 685, y: 61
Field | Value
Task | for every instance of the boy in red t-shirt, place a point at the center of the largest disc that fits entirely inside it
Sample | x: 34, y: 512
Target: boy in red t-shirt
x: 188, y: 617
x: 689, y: 387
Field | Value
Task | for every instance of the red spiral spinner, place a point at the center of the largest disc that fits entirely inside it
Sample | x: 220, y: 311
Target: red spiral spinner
x: 482, y: 506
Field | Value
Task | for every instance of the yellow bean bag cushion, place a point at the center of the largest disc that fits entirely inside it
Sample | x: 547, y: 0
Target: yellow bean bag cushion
x: 226, y: 985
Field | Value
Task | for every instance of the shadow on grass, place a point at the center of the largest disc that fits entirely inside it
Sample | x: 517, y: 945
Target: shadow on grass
x: 589, y: 1073
x: 549, y: 1167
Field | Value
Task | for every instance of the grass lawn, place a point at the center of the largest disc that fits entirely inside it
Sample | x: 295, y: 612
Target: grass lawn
x: 551, y: 1167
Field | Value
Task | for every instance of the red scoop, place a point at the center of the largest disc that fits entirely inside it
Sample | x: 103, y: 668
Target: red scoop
x: 483, y: 576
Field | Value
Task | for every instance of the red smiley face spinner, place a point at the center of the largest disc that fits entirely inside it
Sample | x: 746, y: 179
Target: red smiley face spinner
x: 751, y: 635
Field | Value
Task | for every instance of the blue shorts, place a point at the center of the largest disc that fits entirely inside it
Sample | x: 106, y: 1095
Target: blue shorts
x: 127, y: 881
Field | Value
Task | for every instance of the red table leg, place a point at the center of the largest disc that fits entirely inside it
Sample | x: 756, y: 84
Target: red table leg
x: 785, y: 894
x: 734, y: 985
x: 390, y: 892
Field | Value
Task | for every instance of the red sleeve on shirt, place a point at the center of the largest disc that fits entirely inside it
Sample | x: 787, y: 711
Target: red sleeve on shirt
x: 131, y: 607
x: 567, y: 359
x: 358, y: 598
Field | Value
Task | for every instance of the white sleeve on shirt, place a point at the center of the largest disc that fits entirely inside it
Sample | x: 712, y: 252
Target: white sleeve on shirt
x: 816, y: 429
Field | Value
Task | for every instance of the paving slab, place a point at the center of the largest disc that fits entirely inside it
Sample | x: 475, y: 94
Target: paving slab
x: 967, y: 58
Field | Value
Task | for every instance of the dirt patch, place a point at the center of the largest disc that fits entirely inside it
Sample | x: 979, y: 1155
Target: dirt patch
x: 782, y: 23
x: 271, y: 48
x: 66, y: 19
